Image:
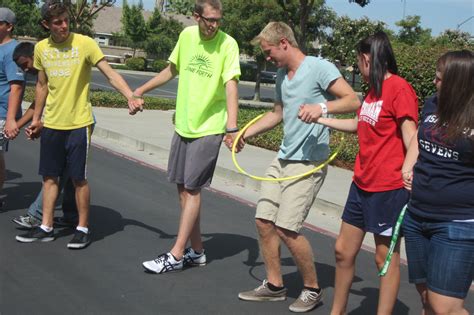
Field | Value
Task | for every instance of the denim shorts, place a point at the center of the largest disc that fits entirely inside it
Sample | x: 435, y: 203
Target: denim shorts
x: 440, y: 254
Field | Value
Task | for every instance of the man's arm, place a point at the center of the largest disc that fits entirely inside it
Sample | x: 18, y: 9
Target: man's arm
x: 267, y: 122
x: 117, y: 81
x: 14, y: 102
x: 41, y: 93
x: 346, y: 102
x: 232, y: 97
x: 27, y: 116
x: 161, y: 78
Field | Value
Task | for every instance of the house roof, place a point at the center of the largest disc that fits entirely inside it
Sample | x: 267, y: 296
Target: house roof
x: 108, y: 19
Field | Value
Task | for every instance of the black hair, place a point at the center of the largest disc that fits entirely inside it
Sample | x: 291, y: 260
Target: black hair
x: 382, y: 59
x: 23, y: 49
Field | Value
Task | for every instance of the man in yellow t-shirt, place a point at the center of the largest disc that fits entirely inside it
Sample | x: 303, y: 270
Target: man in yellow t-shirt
x: 64, y: 62
x: 207, y: 61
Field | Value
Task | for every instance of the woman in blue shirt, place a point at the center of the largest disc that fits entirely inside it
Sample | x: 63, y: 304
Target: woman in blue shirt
x: 439, y: 225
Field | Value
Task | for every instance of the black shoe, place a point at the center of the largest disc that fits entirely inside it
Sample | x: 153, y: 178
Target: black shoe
x: 63, y: 222
x: 37, y: 234
x: 80, y: 240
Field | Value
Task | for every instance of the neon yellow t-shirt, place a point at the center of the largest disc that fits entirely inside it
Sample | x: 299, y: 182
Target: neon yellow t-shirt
x: 68, y: 68
x: 204, y: 66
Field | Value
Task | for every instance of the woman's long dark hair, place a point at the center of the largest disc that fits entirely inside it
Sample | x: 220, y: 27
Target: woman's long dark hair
x: 382, y: 59
x: 456, y: 96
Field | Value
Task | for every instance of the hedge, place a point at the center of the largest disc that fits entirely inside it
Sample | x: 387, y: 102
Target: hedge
x: 136, y: 63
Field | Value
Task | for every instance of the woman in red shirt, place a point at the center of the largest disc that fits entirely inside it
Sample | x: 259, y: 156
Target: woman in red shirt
x: 385, y: 124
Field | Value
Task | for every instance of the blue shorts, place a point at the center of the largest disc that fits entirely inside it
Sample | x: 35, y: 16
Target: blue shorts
x: 65, y: 150
x: 440, y: 254
x: 374, y: 212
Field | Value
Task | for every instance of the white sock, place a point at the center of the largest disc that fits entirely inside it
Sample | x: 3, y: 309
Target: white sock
x: 47, y: 229
x: 82, y: 229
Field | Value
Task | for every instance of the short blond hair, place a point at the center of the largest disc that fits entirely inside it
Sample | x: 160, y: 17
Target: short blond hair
x: 274, y: 32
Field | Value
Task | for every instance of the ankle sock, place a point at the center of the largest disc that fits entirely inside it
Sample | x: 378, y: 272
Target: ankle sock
x: 317, y: 290
x: 45, y: 228
x: 82, y: 229
x: 274, y: 287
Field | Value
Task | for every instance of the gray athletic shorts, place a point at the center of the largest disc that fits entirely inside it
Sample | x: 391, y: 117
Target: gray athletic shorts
x: 192, y: 161
x: 287, y: 203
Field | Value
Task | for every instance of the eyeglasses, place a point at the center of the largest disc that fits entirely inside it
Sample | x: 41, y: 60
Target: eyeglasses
x: 210, y: 20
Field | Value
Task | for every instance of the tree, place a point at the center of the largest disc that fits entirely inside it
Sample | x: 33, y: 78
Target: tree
x: 346, y: 33
x: 83, y: 12
x: 307, y: 17
x: 185, y: 7
x: 454, y: 38
x: 27, y: 16
x: 244, y: 20
x: 362, y: 3
x: 411, y: 32
x: 134, y: 25
x: 162, y: 34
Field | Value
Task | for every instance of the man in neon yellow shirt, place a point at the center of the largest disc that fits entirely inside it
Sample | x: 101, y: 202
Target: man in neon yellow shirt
x: 207, y: 61
x: 64, y: 62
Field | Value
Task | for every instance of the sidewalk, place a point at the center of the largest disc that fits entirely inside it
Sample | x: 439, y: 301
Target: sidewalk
x: 146, y: 137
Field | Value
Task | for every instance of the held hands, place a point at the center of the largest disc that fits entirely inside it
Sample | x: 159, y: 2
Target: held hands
x: 33, y: 131
x: 407, y: 177
x: 11, y: 130
x: 229, y: 140
x: 135, y: 103
x: 310, y: 113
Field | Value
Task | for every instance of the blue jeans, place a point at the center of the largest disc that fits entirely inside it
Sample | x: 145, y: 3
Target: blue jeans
x: 440, y: 254
x: 68, y: 205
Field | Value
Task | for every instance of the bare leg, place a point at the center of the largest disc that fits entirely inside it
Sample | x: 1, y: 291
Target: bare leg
x: 389, y: 283
x: 442, y: 304
x: 82, y: 201
x: 303, y: 255
x: 50, y: 194
x: 270, y: 247
x: 190, y: 201
x: 423, y: 291
x: 347, y: 247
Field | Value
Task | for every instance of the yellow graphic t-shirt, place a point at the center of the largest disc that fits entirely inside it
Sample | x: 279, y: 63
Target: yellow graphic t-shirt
x: 68, y: 68
x: 204, y: 67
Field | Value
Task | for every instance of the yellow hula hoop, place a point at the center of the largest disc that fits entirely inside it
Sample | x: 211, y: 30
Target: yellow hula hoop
x: 279, y: 179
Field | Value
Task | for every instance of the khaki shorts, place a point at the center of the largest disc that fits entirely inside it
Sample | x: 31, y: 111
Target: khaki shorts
x: 287, y: 203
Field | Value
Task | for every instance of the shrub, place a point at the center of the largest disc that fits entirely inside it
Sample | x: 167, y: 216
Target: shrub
x: 136, y: 63
x: 159, y: 65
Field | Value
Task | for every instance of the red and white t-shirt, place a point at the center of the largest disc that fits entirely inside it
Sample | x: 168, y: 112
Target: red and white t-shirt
x: 381, y: 150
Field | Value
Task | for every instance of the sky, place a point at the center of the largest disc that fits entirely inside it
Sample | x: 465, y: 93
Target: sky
x: 438, y: 15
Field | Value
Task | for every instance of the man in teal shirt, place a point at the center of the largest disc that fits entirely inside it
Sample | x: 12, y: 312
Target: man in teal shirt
x: 207, y: 61
x: 306, y: 85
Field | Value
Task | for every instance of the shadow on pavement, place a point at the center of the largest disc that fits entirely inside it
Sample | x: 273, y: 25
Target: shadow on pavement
x: 370, y: 301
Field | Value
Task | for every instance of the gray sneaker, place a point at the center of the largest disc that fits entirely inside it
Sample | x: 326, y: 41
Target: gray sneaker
x: 27, y: 221
x: 307, y: 301
x: 263, y: 293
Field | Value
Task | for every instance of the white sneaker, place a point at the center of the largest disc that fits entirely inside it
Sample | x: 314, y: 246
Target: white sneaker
x: 191, y: 258
x: 163, y: 263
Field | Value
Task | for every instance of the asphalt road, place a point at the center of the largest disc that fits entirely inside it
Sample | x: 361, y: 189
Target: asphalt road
x: 134, y: 216
x: 168, y: 90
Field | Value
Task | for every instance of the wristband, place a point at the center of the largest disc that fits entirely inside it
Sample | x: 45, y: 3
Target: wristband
x: 137, y: 97
x: 324, y: 109
x: 232, y: 130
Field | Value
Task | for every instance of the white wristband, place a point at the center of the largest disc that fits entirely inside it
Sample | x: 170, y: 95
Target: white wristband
x: 324, y: 109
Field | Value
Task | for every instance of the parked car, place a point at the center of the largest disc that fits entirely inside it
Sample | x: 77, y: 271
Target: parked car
x: 268, y: 76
